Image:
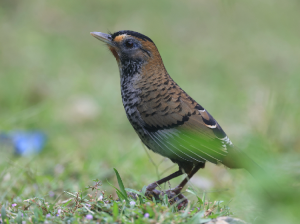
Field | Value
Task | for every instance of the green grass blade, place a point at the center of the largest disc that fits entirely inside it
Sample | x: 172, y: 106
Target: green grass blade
x: 203, y: 199
x: 121, y: 185
x: 166, y: 200
x: 19, y: 218
x: 196, y: 219
x: 115, y: 211
x: 3, y: 213
x: 153, y: 199
x: 186, y: 211
x: 135, y: 191
x: 144, y: 190
x: 141, y: 199
x: 193, y: 192
x: 119, y: 193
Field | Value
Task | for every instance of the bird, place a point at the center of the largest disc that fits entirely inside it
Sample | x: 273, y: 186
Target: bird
x: 166, y: 119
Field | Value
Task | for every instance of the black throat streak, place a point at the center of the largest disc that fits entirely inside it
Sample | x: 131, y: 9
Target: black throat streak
x: 130, y: 67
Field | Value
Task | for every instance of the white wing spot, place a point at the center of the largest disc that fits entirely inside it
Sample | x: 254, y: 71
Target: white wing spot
x: 211, y: 126
x: 226, y: 140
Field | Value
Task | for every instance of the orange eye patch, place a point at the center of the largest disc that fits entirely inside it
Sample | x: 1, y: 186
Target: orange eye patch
x: 120, y: 38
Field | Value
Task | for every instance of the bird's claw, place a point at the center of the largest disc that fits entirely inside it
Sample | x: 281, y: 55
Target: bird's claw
x: 174, y: 196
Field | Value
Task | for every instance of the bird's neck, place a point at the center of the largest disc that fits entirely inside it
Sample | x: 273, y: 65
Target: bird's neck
x: 138, y: 76
x: 128, y: 68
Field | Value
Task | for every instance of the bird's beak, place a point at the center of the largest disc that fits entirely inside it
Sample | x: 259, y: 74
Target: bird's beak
x: 106, y: 38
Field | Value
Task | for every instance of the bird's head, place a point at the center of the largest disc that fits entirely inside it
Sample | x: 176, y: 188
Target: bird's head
x: 130, y: 49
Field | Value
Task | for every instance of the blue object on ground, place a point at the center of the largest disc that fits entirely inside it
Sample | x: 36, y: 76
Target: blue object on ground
x: 25, y: 142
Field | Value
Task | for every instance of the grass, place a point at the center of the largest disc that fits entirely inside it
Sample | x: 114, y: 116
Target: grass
x: 94, y: 205
x: 238, y: 59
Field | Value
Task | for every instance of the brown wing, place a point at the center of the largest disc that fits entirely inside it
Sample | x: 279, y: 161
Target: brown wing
x: 179, y: 124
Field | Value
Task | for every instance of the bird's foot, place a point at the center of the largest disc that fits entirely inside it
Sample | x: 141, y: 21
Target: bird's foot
x: 152, y: 192
x: 174, y: 195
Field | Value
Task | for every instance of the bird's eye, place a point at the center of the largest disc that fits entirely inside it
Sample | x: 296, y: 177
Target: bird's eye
x: 129, y: 44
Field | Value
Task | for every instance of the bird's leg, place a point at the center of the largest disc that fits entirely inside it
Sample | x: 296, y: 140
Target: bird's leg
x: 178, y: 189
x: 151, y: 187
x: 175, y: 193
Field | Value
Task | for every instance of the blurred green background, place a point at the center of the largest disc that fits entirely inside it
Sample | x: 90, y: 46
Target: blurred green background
x: 238, y: 59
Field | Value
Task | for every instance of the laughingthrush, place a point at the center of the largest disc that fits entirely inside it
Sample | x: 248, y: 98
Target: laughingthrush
x: 167, y: 120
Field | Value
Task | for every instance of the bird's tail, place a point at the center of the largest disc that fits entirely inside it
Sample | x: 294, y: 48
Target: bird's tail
x: 238, y: 159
